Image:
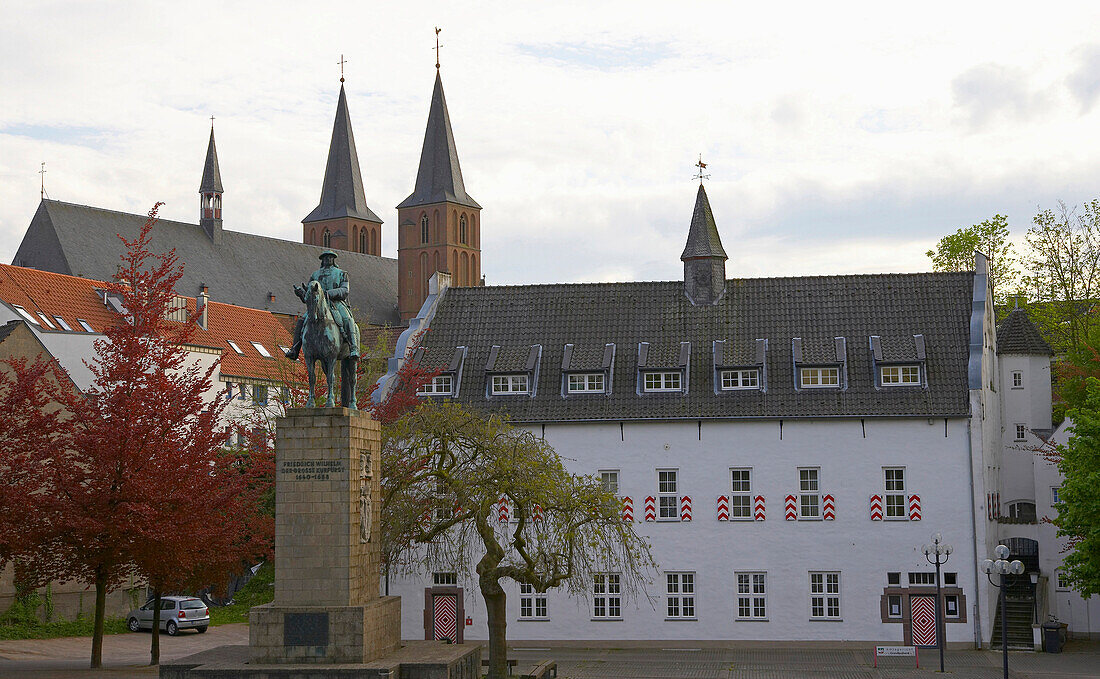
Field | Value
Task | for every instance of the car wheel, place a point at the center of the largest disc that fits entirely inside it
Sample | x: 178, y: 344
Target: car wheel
x: 132, y: 625
x: 201, y: 629
x: 172, y: 628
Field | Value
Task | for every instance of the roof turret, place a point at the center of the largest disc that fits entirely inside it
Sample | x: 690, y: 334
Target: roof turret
x: 439, y: 178
x: 211, y: 175
x: 1018, y: 335
x: 342, y: 193
x: 703, y: 239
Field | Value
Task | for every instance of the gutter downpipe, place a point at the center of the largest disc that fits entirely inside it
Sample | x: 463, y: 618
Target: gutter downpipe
x: 974, y: 532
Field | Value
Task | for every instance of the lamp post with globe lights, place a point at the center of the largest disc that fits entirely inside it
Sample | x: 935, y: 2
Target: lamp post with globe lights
x: 1003, y: 567
x: 933, y: 554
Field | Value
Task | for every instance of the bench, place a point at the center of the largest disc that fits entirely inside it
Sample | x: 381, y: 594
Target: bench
x: 511, y: 665
x: 547, y: 669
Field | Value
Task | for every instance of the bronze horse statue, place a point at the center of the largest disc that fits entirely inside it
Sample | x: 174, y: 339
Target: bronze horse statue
x: 325, y: 343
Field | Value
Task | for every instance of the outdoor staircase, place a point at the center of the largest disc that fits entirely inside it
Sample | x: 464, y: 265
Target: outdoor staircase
x: 1020, y: 613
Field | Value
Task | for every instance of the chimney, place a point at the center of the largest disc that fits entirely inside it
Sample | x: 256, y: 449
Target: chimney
x: 271, y: 297
x: 202, y: 304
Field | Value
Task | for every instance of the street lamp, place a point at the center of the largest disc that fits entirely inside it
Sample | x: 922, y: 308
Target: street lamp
x: 938, y: 549
x: 1002, y: 566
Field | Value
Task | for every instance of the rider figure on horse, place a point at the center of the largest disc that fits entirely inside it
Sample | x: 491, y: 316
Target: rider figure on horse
x: 334, y: 281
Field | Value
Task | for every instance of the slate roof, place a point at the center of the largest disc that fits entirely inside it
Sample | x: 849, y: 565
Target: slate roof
x: 342, y: 193
x: 1018, y: 335
x: 7, y: 329
x: 81, y: 241
x: 211, y: 175
x: 703, y: 239
x: 816, y: 308
x: 439, y: 177
x: 71, y: 298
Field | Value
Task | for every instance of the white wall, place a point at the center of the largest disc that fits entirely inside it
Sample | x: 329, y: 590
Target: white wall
x: 862, y: 550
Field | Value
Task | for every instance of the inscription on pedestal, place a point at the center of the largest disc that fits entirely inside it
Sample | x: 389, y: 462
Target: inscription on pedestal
x: 305, y: 629
x: 310, y: 470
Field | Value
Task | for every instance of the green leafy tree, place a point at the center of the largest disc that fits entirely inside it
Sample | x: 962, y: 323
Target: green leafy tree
x: 955, y: 252
x: 1079, y: 496
x: 446, y: 472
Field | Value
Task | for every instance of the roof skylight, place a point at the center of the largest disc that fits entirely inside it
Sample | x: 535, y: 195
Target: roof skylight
x: 84, y: 324
x: 46, y: 320
x: 62, y: 323
x: 262, y: 349
x: 235, y: 347
x: 25, y: 314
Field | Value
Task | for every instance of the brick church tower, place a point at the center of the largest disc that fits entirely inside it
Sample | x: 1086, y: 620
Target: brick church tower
x: 342, y: 219
x: 439, y: 225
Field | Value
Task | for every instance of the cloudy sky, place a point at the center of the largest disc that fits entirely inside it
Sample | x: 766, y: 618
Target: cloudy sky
x: 840, y: 137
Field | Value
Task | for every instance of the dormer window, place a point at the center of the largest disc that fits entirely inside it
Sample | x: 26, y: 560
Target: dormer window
x: 586, y: 383
x: 819, y: 377
x: 748, y: 378
x: 900, y: 375
x: 441, y: 385
x: 510, y: 384
x: 661, y: 380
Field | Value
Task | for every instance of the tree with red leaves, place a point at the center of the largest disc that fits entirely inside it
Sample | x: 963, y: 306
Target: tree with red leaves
x: 143, y: 483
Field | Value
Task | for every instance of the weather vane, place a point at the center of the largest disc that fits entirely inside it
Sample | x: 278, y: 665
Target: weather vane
x: 42, y: 172
x: 342, y: 62
x: 437, y: 46
x: 702, y: 166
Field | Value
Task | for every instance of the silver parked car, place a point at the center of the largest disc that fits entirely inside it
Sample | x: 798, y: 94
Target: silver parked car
x: 176, y: 613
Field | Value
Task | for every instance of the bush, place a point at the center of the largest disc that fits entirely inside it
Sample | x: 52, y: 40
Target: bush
x: 259, y: 590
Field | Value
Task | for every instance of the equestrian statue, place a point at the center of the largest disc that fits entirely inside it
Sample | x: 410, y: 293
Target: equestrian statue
x: 326, y: 332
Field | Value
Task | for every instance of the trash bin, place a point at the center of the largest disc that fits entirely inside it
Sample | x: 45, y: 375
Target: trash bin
x: 1052, y: 637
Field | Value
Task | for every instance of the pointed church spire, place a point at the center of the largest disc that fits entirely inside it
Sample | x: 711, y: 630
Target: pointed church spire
x: 210, y: 192
x: 211, y: 175
x: 342, y: 193
x: 439, y: 178
x: 704, y: 257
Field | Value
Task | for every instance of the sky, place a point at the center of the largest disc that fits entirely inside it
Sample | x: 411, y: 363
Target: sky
x: 839, y: 137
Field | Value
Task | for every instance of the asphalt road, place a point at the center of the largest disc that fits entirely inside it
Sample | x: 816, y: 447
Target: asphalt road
x: 126, y: 656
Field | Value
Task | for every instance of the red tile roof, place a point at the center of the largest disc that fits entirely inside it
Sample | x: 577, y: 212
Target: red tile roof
x: 74, y: 298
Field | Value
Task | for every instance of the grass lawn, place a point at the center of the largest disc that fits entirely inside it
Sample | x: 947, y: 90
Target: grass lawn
x: 61, y: 628
x: 259, y: 590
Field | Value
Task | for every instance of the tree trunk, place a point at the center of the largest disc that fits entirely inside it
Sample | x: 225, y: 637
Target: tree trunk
x: 495, y: 608
x: 97, y: 624
x: 154, y: 648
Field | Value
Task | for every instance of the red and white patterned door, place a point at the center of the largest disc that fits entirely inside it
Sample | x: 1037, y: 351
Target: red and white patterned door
x: 446, y: 616
x: 924, y: 620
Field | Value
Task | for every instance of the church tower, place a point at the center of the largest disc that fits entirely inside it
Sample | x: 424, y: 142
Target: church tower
x: 439, y: 224
x: 342, y: 219
x: 210, y: 194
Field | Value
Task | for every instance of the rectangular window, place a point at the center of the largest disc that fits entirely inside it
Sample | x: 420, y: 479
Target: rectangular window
x: 893, y: 606
x: 893, y: 578
x: 950, y: 579
x: 61, y: 322
x: 1021, y: 432
x: 1062, y: 581
x: 951, y: 606
x: 46, y: 320
x: 242, y: 391
x: 900, y: 375
x: 259, y: 395
x: 922, y: 578
x: 752, y: 596
x: 510, y: 384
x: 440, y: 384
x: 740, y: 379
x: 662, y: 381
x: 532, y: 604
x: 609, y: 480
x: 85, y: 324
x: 284, y: 395
x: 25, y: 314
x: 825, y: 596
x: 1017, y: 379
x: 581, y: 383
x: 680, y: 595
x: 606, y: 596
x: 741, y: 494
x: 444, y: 579
x: 809, y: 498
x: 444, y: 505
x: 262, y: 349
x: 668, y: 502
x: 1054, y: 495
x: 232, y: 345
x: 816, y: 378
x: 895, y: 493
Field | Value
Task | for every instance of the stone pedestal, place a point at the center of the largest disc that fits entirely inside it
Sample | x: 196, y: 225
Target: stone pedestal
x: 327, y: 557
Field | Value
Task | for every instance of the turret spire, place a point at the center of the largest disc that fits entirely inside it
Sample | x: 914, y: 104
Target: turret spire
x: 704, y: 257
x: 210, y: 192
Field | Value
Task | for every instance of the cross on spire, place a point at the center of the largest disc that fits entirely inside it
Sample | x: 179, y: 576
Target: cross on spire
x: 211, y: 122
x: 437, y: 46
x: 342, y: 62
x: 702, y: 166
x: 42, y: 173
